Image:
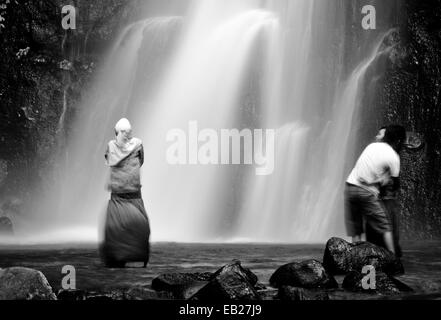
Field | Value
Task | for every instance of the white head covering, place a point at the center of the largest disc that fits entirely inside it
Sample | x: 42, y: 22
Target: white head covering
x: 123, y: 125
x: 124, y: 144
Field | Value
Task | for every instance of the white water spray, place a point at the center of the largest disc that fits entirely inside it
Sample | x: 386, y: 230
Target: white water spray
x: 227, y: 64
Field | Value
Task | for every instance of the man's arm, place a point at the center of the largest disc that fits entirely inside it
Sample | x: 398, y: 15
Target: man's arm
x: 396, y: 183
x: 395, y: 168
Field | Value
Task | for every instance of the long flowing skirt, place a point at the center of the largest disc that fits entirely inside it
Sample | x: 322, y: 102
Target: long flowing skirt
x: 126, y: 231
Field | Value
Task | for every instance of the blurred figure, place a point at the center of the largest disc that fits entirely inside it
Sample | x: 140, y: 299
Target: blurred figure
x: 389, y: 197
x: 377, y: 167
x: 127, y: 229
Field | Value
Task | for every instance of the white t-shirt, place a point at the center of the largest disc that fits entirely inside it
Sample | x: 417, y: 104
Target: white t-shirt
x: 378, y: 163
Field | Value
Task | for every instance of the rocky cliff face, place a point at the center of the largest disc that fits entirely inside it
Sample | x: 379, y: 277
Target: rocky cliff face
x: 44, y: 70
x: 411, y: 95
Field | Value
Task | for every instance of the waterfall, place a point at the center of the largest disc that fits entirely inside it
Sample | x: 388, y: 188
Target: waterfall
x: 204, y: 83
x: 272, y: 64
x: 69, y: 205
x: 303, y: 201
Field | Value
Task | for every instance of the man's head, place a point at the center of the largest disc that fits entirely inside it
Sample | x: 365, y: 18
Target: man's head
x: 395, y: 136
x: 380, y: 135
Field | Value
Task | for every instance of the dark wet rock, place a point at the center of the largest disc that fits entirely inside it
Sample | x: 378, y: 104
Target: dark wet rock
x: 336, y: 259
x: 287, y: 293
x: 181, y: 285
x: 410, y: 96
x: 71, y: 295
x: 383, y: 284
x: 227, y: 287
x: 342, y: 257
x: 6, y: 227
x: 231, y: 282
x: 19, y: 283
x: 190, y: 290
x: 236, y: 267
x: 142, y: 293
x: 306, y: 274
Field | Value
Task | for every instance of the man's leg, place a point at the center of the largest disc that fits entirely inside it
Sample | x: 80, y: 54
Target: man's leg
x: 393, y: 209
x: 378, y: 221
x: 353, y: 217
x: 389, y: 241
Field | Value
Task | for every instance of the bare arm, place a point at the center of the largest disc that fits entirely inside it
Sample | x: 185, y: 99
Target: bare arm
x: 396, y: 183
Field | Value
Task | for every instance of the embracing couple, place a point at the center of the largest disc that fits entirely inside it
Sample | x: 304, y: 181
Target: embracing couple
x: 371, y: 206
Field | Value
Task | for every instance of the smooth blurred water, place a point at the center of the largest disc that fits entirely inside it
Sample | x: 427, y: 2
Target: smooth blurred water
x: 226, y: 64
x: 421, y: 261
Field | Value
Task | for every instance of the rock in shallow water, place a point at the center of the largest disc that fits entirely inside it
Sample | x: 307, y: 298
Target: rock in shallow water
x: 181, y: 285
x: 24, y: 284
x: 383, y: 283
x: 342, y: 257
x: 236, y: 267
x: 306, y: 274
x: 231, y: 282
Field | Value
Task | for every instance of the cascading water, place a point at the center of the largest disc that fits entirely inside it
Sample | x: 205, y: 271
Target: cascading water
x: 291, y: 206
x: 226, y: 64
x: 71, y: 208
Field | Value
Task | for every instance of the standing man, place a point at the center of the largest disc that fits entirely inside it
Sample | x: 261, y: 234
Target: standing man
x: 389, y: 197
x: 378, y: 166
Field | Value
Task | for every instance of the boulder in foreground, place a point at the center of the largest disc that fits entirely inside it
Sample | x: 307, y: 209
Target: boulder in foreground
x: 306, y: 274
x: 383, y: 284
x: 341, y: 257
x: 24, y: 284
x: 181, y: 285
x: 231, y: 282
